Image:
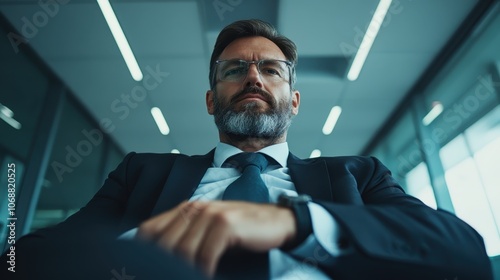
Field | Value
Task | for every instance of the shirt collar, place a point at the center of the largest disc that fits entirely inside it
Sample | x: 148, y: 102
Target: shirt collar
x: 279, y: 152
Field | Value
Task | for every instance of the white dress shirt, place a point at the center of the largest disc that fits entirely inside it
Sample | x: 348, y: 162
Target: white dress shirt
x: 319, y: 248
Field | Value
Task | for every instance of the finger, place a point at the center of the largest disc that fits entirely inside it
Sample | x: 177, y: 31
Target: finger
x: 152, y: 228
x: 189, y: 243
x: 215, y: 242
x: 177, y: 228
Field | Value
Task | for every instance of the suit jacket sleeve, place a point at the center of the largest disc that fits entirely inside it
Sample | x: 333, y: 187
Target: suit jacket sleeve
x: 395, y: 236
x: 78, y: 241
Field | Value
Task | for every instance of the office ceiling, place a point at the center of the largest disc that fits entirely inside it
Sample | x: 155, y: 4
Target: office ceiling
x: 175, y: 38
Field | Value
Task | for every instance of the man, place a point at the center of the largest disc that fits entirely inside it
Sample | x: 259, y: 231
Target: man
x: 359, y: 225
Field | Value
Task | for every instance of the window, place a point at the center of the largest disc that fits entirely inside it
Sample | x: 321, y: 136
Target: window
x: 453, y: 162
x: 75, y: 166
x: 472, y: 163
x: 24, y: 89
x: 418, y: 184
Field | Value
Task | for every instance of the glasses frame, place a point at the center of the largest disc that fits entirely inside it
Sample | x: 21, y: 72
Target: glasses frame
x: 289, y: 64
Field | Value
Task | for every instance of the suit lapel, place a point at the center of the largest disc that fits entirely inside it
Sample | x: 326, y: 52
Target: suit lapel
x: 310, y: 177
x: 184, y: 178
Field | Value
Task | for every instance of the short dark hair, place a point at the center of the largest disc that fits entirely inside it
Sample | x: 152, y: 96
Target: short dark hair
x: 249, y: 28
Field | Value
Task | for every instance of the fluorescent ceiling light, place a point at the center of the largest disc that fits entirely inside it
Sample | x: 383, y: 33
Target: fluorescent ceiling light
x: 12, y: 122
x: 6, y: 111
x: 120, y: 39
x: 160, y: 120
x: 315, y: 153
x: 436, y: 110
x: 332, y: 120
x: 366, y: 44
x: 7, y: 115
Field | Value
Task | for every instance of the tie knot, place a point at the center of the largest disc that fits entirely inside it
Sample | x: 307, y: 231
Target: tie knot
x: 242, y: 160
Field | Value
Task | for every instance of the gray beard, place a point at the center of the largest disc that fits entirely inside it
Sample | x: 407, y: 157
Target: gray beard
x: 249, y: 123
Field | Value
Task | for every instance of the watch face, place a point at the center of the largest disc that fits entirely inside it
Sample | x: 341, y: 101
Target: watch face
x: 303, y: 198
x: 287, y: 200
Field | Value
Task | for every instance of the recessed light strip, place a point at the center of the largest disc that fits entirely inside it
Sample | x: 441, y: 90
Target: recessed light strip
x: 332, y: 119
x: 370, y: 34
x: 12, y: 122
x: 315, y: 153
x: 436, y: 110
x: 7, y: 115
x: 120, y: 39
x: 160, y: 120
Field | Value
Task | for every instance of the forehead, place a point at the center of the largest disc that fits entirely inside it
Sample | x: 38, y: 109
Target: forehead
x: 252, y: 48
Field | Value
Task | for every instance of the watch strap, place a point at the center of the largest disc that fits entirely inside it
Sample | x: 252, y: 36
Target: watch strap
x: 300, y: 209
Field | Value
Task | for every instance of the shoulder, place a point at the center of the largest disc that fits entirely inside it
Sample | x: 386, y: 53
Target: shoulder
x: 144, y: 158
x: 353, y: 160
x: 154, y: 166
x: 360, y: 165
x: 343, y: 160
x: 140, y: 159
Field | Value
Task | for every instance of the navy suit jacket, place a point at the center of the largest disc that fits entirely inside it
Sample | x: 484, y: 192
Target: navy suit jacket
x: 391, y: 235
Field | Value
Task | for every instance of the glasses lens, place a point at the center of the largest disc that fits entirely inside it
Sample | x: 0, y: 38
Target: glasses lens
x: 236, y: 70
x: 232, y: 70
x: 273, y: 70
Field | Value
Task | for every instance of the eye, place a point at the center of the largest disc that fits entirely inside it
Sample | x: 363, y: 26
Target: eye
x: 271, y: 68
x: 272, y: 71
x: 233, y: 72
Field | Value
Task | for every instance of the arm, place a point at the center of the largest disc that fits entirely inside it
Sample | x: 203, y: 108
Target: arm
x: 103, y: 211
x: 84, y: 246
x: 395, y: 236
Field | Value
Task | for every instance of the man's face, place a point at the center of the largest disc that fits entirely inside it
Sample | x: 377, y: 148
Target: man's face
x: 255, y: 106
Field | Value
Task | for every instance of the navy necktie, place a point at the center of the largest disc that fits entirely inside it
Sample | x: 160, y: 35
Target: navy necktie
x: 248, y: 187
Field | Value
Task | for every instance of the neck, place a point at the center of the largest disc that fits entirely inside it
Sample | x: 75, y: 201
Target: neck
x: 249, y: 144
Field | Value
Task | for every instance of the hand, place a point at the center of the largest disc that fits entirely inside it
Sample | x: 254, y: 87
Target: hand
x: 202, y: 231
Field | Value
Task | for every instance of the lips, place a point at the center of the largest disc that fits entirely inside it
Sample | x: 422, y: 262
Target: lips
x: 253, y: 92
x: 252, y: 96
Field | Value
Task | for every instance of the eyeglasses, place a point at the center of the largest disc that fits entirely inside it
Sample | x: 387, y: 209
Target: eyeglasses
x: 270, y: 70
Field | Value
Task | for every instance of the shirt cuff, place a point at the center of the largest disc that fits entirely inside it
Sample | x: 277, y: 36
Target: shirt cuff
x: 130, y: 234
x: 325, y: 229
x: 322, y: 245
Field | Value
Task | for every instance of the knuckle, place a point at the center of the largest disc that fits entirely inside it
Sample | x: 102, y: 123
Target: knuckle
x: 222, y: 218
x: 164, y: 242
x: 204, y: 257
x: 183, y: 250
x: 145, y: 230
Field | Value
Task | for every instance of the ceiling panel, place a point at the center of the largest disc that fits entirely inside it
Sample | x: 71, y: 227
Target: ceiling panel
x: 75, y: 30
x: 319, y: 27
x: 164, y: 28
x: 420, y: 26
x: 176, y: 37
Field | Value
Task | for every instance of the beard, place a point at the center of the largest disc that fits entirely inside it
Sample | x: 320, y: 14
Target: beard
x: 250, y: 121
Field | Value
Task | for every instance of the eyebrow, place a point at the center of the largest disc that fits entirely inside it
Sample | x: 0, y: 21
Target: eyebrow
x: 265, y: 58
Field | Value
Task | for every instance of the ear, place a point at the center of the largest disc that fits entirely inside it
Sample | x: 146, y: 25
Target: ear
x: 209, y: 100
x: 295, y: 102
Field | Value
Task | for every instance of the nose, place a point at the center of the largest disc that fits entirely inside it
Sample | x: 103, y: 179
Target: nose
x: 253, y: 76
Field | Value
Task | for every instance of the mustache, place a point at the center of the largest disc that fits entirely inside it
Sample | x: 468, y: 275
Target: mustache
x: 254, y: 90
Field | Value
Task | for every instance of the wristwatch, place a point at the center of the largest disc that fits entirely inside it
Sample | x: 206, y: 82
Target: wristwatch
x: 298, y: 204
